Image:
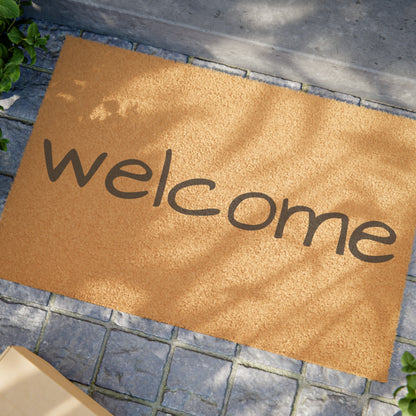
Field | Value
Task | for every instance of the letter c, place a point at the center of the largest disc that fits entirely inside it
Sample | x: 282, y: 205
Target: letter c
x: 191, y: 182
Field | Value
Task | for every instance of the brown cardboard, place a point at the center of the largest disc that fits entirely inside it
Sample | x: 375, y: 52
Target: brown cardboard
x: 178, y: 240
x: 29, y: 386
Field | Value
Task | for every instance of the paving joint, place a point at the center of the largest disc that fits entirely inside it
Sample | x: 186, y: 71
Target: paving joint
x: 166, y: 369
x: 231, y: 380
x: 45, y: 323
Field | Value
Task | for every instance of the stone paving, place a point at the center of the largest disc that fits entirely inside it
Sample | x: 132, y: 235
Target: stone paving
x: 134, y: 366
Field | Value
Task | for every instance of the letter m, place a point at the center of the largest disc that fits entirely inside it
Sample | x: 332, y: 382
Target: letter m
x: 314, y: 223
x: 72, y: 156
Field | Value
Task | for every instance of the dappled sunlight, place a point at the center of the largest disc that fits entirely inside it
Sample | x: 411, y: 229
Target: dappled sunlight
x: 191, y: 213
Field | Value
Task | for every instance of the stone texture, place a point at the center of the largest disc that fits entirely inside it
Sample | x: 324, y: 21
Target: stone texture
x: 119, y: 407
x: 388, y: 109
x: 315, y: 401
x: 196, y: 383
x: 377, y: 408
x: 361, y: 48
x: 16, y: 291
x: 142, y: 324
x: 322, y: 92
x: 82, y: 308
x: 25, y: 97
x: 18, y: 135
x: 218, y: 67
x: 407, y: 322
x: 109, y: 40
x: 72, y: 346
x: 163, y: 53
x: 396, y: 377
x: 5, y: 186
x: 334, y: 378
x: 268, y: 79
x: 273, y: 360
x: 19, y: 325
x: 57, y: 35
x: 258, y: 393
x: 207, y: 342
x: 133, y: 365
x: 412, y: 264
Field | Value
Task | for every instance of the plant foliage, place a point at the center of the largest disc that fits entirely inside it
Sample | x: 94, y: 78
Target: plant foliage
x: 408, y: 403
x: 18, y: 39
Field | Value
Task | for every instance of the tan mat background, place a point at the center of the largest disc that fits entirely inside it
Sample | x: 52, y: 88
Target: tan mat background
x: 202, y: 272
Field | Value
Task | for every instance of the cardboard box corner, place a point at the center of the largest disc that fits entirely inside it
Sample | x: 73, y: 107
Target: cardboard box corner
x: 31, y: 386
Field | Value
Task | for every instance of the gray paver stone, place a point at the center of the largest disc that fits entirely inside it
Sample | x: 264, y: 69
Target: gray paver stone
x: 18, y: 134
x: 57, y: 35
x: 72, y: 346
x: 258, y: 393
x: 315, y: 401
x: 196, y: 383
x: 119, y: 407
x: 377, y: 408
x: 25, y: 97
x: 396, y: 377
x: 388, y: 109
x: 133, y: 365
x: 218, y: 67
x: 207, y: 342
x: 268, y: 79
x: 162, y: 53
x: 5, y: 186
x: 322, y: 92
x: 407, y: 323
x: 270, y: 359
x: 19, y: 325
x: 14, y: 290
x: 334, y: 378
x: 412, y: 264
x: 142, y: 324
x: 109, y: 40
x: 83, y: 308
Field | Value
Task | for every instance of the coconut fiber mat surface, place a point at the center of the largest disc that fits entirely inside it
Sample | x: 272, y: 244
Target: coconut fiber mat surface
x: 246, y: 211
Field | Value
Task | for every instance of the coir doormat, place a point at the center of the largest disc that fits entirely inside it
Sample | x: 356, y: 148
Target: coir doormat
x: 226, y: 206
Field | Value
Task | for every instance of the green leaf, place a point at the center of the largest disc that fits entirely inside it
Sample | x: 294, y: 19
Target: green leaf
x: 15, y: 35
x: 32, y: 53
x: 30, y: 41
x: 32, y: 30
x: 17, y: 57
x: 404, y: 404
x: 3, y: 51
x: 13, y: 72
x: 3, y: 144
x: 411, y: 382
x: 412, y: 408
x: 408, y: 362
x: 9, y: 9
x: 5, y: 84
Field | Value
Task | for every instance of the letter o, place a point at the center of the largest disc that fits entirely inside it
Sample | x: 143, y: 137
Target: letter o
x: 251, y: 227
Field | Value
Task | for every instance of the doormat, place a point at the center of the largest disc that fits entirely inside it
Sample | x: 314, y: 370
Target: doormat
x: 249, y: 212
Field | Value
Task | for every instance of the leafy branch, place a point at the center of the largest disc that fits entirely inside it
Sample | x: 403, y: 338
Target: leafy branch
x: 408, y: 403
x: 18, y: 40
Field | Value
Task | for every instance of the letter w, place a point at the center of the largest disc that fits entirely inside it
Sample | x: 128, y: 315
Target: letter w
x: 71, y: 156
